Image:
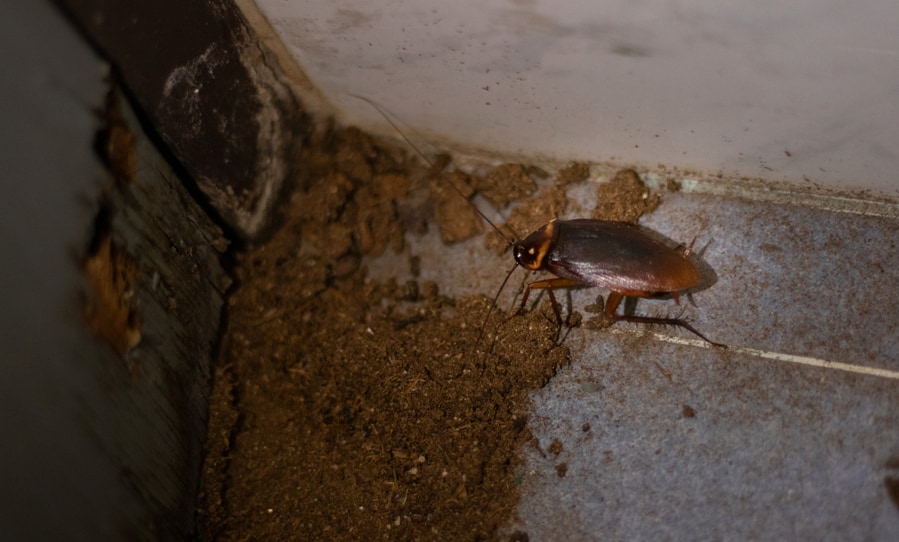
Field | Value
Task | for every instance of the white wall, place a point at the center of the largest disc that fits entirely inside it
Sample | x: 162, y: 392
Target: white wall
x: 802, y: 91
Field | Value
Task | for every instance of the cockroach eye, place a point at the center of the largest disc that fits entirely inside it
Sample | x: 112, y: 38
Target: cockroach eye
x: 523, y: 255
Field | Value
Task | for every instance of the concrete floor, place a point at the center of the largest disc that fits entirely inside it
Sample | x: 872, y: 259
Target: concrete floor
x: 788, y: 434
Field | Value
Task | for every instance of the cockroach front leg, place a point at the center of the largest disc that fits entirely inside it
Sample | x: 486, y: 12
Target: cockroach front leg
x: 549, y: 285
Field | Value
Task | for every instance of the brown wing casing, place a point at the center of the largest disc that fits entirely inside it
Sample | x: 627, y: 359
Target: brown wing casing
x: 617, y: 256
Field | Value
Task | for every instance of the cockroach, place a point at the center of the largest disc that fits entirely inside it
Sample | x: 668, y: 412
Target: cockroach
x: 620, y: 257
x: 616, y: 256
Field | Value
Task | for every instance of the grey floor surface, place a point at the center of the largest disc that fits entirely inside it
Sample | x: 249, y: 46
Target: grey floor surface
x: 789, y: 434
x: 769, y: 440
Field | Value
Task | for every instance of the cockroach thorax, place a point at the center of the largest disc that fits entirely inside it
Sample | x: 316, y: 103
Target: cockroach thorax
x: 531, y: 252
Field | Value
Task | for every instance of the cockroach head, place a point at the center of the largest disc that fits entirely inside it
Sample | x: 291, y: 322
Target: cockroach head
x: 531, y: 252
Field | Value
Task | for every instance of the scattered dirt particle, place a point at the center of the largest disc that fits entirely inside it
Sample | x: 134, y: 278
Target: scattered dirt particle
x: 597, y: 307
x: 536, y: 171
x: 574, y: 172
x: 505, y: 183
x: 561, y: 470
x: 555, y: 447
x: 598, y: 322
x: 625, y: 198
x: 355, y: 152
x: 456, y: 217
x: 375, y: 228
x: 689, y: 412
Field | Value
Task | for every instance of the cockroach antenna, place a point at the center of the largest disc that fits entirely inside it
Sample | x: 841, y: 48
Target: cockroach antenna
x: 616, y: 256
x: 510, y: 240
x: 393, y: 124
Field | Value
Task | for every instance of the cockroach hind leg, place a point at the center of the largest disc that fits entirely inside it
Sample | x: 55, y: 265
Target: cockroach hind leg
x: 667, y: 321
x: 690, y: 328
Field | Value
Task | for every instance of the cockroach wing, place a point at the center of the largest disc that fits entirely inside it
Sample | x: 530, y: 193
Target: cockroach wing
x: 619, y: 257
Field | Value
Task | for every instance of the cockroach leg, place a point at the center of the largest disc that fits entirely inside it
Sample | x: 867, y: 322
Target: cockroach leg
x: 614, y: 300
x: 549, y: 285
x: 689, y: 249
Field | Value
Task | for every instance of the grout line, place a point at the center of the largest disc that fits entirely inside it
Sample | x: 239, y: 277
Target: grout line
x: 802, y: 360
